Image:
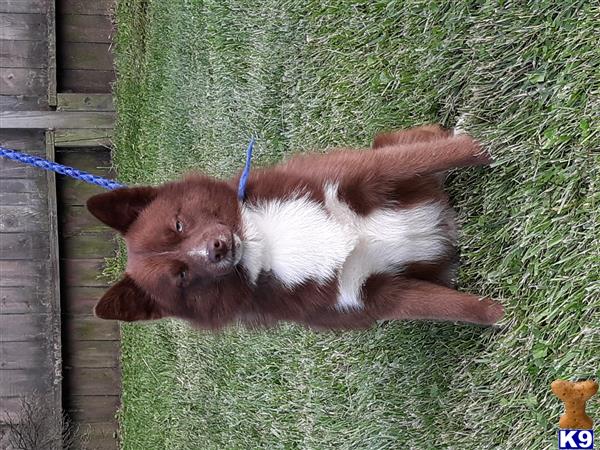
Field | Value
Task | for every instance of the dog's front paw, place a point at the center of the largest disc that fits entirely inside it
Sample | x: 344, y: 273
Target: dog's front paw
x: 477, y: 154
x: 494, y: 311
x: 484, y: 158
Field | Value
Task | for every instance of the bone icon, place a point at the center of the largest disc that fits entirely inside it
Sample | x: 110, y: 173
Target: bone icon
x: 574, y: 396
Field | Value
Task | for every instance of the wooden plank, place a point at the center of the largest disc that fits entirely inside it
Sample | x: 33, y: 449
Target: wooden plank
x: 23, y: 327
x: 15, y: 169
x: 91, y: 328
x: 83, y: 272
x: 23, y: 54
x: 21, y: 382
x: 23, y: 27
x: 85, y: 102
x: 10, y: 409
x: 35, y: 200
x: 93, y: 408
x: 31, y: 141
x: 76, y: 219
x: 72, y: 138
x: 23, y: 6
x: 22, y: 185
x: 86, y: 81
x: 80, y: 308
x: 56, y: 119
x: 80, y: 300
x: 105, y: 7
x: 23, y: 103
x: 19, y: 81
x: 51, y: 43
x: 24, y: 300
x: 12, y: 406
x: 86, y: 28
x: 92, y: 381
x: 96, y: 161
x: 98, y: 354
x: 5, y: 434
x: 75, y: 192
x: 98, y: 436
x: 28, y: 141
x: 86, y: 56
x: 16, y: 246
x: 22, y: 273
x: 85, y: 246
x: 54, y: 332
x: 15, y: 219
x: 24, y: 355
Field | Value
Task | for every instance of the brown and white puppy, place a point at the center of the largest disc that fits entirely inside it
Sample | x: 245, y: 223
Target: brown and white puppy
x: 337, y: 240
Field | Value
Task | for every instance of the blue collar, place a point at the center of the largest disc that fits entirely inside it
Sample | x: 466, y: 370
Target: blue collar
x: 244, y: 178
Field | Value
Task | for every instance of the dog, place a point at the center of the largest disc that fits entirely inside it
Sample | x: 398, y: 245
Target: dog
x: 340, y: 240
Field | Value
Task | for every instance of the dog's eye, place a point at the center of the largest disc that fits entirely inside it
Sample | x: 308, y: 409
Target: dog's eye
x: 183, y: 275
x: 179, y: 226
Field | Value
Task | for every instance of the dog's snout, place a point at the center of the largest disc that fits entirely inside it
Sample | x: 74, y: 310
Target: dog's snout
x: 217, y: 250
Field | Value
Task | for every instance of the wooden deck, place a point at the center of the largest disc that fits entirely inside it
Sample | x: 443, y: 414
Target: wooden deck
x: 30, y: 352
x: 90, y: 346
x: 55, y: 83
x: 85, y: 60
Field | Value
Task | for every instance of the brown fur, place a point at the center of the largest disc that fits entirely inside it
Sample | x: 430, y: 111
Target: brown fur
x: 162, y: 280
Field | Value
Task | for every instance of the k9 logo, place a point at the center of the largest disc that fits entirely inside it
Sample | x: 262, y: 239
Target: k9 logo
x: 575, y: 439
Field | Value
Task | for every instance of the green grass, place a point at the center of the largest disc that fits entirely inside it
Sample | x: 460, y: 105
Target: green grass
x: 197, y: 78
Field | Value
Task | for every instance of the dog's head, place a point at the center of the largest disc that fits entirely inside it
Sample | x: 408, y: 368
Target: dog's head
x: 183, y: 241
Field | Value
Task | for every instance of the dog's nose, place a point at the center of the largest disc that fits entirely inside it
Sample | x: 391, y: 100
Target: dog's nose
x: 217, y: 250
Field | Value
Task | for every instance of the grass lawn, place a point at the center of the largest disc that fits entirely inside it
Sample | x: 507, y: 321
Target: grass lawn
x: 197, y: 78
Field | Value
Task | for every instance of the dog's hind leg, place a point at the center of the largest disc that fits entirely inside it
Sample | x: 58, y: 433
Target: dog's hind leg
x: 423, y: 158
x: 424, y: 133
x: 389, y: 297
x: 411, y: 299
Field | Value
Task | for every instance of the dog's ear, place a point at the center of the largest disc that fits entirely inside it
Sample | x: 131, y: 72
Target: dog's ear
x: 119, y: 208
x: 127, y: 302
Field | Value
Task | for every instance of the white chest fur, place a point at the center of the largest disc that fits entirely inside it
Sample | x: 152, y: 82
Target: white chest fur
x: 299, y: 240
x: 295, y: 239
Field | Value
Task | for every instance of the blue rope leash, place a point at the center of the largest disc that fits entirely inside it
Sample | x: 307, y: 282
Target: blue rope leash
x: 246, y: 172
x: 100, y: 181
x: 59, y: 168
